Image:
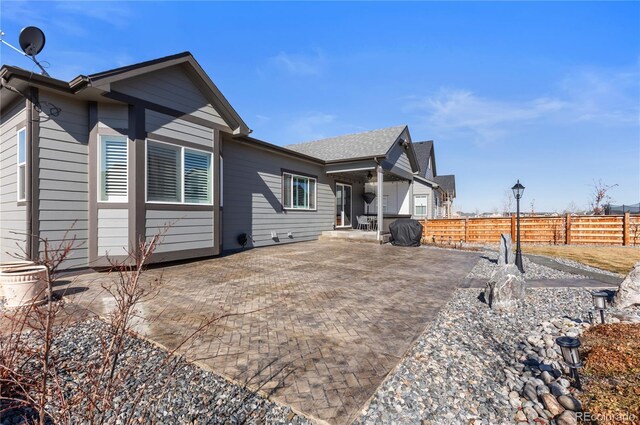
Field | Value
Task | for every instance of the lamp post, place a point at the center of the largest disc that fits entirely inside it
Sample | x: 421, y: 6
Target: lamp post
x: 518, y: 190
x: 600, y: 302
x: 569, y: 349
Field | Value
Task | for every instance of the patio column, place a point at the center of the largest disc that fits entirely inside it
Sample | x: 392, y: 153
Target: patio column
x: 380, y: 199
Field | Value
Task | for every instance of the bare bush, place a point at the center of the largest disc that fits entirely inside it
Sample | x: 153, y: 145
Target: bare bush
x: 600, y: 197
x: 47, y: 386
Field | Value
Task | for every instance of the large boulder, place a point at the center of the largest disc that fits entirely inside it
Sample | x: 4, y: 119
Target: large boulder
x: 629, y: 291
x: 506, y: 255
x: 505, y: 288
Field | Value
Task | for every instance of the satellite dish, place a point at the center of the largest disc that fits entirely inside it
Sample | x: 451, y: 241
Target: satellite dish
x: 31, y: 40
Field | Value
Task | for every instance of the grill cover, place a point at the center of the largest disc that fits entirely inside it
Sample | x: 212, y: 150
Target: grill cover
x: 406, y: 232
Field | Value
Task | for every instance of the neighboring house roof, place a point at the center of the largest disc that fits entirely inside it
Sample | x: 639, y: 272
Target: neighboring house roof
x: 375, y: 143
x: 101, y: 82
x: 424, y: 150
x: 447, y: 183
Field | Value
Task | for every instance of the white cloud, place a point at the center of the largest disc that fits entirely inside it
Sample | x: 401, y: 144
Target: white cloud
x: 486, y: 119
x: 300, y: 64
x: 604, y: 98
x: 310, y: 126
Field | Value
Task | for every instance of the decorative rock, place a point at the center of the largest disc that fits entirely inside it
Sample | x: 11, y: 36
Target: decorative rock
x: 551, y: 404
x: 567, y: 418
x: 530, y: 392
x: 531, y: 413
x: 629, y: 290
x: 557, y: 389
x: 542, y: 389
x: 570, y: 403
x: 506, y: 255
x: 505, y: 288
x: 521, y: 417
x: 547, y: 377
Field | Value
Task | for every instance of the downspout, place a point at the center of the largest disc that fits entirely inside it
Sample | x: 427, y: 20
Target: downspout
x: 32, y: 204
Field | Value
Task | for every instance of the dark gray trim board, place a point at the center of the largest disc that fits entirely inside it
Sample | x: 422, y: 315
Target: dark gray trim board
x: 93, y: 182
x: 132, y: 100
x: 217, y: 187
x: 136, y: 195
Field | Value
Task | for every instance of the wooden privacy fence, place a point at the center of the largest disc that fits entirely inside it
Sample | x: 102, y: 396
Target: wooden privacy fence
x: 569, y: 229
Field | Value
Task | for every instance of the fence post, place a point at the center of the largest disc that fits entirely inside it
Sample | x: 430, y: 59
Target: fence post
x: 466, y: 230
x: 513, y: 227
x: 567, y: 229
x: 625, y: 228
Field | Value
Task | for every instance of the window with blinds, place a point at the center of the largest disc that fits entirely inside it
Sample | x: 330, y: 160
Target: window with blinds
x: 113, y: 169
x: 298, y: 192
x: 420, y: 204
x: 197, y: 177
x: 178, y: 175
x: 22, y: 164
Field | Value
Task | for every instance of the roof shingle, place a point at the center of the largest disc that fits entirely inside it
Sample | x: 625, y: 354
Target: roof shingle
x: 359, y: 145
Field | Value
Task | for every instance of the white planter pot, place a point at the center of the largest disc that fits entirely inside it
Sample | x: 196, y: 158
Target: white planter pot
x: 23, y: 285
x: 11, y: 265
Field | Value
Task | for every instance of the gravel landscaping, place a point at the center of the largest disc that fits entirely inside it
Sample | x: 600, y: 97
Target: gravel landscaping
x: 468, y: 366
x: 189, y: 395
x: 488, y: 264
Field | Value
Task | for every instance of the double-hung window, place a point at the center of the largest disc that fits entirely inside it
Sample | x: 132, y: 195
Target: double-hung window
x: 22, y: 164
x: 113, y: 168
x: 299, y: 192
x: 420, y: 205
x: 176, y: 174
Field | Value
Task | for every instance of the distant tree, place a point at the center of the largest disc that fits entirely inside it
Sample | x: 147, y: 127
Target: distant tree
x: 572, y: 208
x: 533, y: 207
x: 507, y: 203
x: 600, y: 197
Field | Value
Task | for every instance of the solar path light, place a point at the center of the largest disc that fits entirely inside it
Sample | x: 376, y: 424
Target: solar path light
x: 571, y: 356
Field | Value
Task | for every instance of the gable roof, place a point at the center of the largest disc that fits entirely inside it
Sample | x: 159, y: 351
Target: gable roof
x: 423, y: 151
x: 368, y: 144
x: 447, y: 183
x: 103, y: 80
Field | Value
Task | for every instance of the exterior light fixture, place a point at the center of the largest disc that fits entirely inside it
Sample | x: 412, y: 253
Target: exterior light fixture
x: 569, y: 349
x: 518, y: 190
x: 369, y: 176
x: 600, y: 302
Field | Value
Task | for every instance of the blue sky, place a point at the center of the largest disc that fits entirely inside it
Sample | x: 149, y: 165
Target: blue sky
x: 548, y: 93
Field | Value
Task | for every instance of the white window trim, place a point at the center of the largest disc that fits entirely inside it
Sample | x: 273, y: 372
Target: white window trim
x: 426, y: 205
x: 182, y: 148
x: 18, y: 164
x: 315, y: 192
x: 122, y: 199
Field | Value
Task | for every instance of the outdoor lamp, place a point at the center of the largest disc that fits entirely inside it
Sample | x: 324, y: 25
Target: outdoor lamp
x: 518, y: 190
x: 569, y: 349
x: 600, y: 302
x: 369, y: 176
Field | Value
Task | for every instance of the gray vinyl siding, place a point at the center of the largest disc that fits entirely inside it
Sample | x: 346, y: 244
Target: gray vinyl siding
x: 398, y: 157
x: 113, y: 231
x: 173, y: 88
x: 176, y: 128
x: 180, y: 230
x: 113, y: 116
x: 252, y: 198
x: 13, y: 217
x: 63, y: 178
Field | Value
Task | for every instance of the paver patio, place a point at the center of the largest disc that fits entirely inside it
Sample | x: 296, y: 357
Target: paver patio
x: 320, y: 324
